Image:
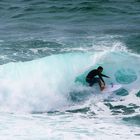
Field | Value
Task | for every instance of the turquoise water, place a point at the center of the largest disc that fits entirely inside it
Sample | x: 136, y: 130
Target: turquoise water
x: 46, y: 50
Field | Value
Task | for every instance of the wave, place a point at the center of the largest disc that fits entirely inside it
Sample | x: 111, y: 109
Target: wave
x: 49, y: 84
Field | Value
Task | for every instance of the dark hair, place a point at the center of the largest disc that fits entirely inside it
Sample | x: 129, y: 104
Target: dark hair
x: 100, y: 67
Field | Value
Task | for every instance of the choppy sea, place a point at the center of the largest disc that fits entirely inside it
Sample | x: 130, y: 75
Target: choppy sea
x: 45, y: 46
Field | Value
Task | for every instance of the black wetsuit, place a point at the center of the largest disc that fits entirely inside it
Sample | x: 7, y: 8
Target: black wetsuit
x: 92, y: 77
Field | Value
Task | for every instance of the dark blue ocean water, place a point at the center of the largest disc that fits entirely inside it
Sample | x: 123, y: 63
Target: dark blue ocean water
x: 46, y: 45
x: 61, y: 24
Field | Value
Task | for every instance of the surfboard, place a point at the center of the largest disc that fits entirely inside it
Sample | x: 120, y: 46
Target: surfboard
x: 111, y: 88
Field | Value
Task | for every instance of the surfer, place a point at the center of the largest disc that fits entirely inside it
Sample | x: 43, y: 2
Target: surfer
x: 95, y: 76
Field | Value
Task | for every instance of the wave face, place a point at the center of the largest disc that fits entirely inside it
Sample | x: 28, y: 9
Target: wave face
x: 40, y: 84
x: 49, y: 83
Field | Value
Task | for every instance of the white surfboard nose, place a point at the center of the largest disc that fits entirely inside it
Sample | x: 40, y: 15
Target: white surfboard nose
x: 111, y: 88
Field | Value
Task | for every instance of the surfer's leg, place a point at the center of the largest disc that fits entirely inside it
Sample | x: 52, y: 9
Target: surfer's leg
x: 101, y: 85
x: 89, y: 81
x: 91, y: 84
x: 93, y: 81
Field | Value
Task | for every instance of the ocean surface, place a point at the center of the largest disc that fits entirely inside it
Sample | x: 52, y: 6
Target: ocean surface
x: 46, y: 46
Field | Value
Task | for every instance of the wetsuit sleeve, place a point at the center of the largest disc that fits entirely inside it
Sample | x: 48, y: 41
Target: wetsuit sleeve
x: 100, y: 76
x: 104, y: 76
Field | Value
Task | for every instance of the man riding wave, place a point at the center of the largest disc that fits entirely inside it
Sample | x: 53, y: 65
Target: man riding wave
x: 95, y: 76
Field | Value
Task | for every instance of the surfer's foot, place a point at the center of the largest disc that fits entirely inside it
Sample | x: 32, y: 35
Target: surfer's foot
x: 102, y: 88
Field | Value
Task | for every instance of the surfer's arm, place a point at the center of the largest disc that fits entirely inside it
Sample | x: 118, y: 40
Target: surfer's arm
x: 105, y: 76
x: 100, y: 76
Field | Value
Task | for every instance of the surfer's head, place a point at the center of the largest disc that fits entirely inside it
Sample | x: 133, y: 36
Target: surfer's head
x: 100, y: 69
